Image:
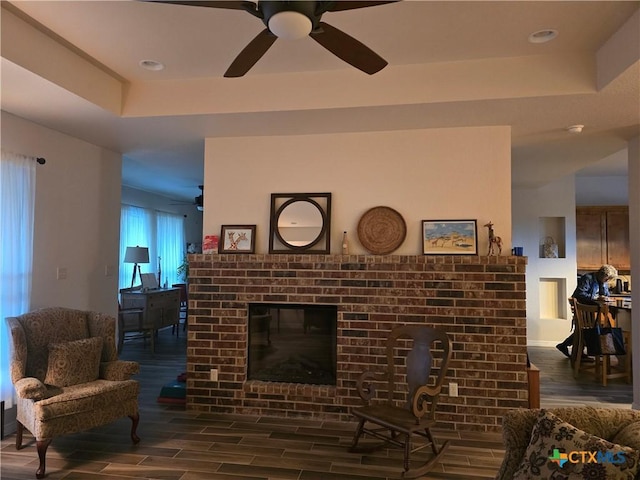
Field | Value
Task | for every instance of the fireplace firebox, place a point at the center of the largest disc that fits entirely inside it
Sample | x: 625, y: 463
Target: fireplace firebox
x: 292, y: 343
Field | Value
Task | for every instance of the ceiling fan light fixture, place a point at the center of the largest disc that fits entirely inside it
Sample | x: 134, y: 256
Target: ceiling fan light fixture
x: 290, y: 25
x: 543, y: 36
x: 575, y: 128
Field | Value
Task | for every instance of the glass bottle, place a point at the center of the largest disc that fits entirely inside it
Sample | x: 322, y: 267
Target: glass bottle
x: 345, y: 244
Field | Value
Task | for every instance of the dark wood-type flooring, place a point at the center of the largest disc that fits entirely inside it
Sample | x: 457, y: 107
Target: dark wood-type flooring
x: 558, y: 388
x: 181, y: 445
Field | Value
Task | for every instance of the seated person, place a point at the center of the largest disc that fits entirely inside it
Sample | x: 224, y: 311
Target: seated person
x: 591, y: 287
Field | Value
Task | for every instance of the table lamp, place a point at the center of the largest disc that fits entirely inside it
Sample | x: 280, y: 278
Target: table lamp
x: 136, y: 255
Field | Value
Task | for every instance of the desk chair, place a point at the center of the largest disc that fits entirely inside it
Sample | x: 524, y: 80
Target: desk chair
x: 587, y: 316
x: 584, y: 316
x: 130, y: 320
x: 184, y: 307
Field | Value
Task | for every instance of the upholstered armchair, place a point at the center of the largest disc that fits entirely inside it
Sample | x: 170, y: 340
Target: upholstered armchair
x: 67, y: 376
x: 531, y: 437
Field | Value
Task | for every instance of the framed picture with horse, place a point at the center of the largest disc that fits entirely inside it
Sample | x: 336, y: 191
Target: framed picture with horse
x: 449, y: 237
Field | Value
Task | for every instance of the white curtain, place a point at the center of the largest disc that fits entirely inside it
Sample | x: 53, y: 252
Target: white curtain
x: 162, y: 233
x: 136, y: 230
x: 171, y: 245
x: 17, y: 205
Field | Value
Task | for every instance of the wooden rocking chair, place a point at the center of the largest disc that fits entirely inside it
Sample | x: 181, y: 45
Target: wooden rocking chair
x: 417, y: 360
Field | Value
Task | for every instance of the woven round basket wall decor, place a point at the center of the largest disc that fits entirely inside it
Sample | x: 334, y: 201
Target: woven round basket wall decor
x: 381, y: 230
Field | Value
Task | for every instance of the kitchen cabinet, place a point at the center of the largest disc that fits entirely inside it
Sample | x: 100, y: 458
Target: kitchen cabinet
x: 618, y: 239
x: 602, y: 236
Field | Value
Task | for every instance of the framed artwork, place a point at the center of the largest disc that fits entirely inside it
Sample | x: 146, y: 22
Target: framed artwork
x: 449, y: 237
x: 237, y: 239
x: 210, y: 244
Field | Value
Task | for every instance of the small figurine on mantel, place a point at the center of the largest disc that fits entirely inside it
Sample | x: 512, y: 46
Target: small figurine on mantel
x: 495, y: 242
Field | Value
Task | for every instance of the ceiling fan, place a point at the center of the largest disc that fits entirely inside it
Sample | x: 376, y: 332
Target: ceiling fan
x: 198, y: 201
x: 297, y: 19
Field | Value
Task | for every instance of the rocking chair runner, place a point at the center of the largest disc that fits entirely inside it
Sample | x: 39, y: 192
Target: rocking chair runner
x: 428, y: 352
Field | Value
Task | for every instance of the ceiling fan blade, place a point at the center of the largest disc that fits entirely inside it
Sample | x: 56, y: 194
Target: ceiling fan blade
x: 253, y: 52
x: 237, y: 5
x: 351, y: 5
x: 348, y: 49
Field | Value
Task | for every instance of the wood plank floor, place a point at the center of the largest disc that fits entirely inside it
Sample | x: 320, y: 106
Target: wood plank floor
x: 558, y: 388
x: 181, y: 445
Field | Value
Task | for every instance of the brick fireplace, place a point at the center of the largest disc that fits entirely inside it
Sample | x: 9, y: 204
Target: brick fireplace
x: 479, y: 301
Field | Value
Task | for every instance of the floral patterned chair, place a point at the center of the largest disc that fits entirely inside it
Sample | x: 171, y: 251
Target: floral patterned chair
x: 67, y: 375
x: 531, y: 435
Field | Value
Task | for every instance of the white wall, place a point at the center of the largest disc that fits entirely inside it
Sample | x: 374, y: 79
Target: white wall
x: 556, y: 199
x: 448, y: 173
x: 77, y: 217
x: 602, y: 190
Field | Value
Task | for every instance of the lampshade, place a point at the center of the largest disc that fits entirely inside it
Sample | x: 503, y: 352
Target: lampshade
x: 136, y: 255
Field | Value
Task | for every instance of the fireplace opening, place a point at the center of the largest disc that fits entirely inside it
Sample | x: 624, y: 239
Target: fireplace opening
x: 292, y: 343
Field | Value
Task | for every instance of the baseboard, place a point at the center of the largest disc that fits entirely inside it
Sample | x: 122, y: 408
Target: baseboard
x: 543, y: 343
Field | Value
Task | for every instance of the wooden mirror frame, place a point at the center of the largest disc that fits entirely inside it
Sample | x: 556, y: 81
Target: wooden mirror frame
x: 321, y: 244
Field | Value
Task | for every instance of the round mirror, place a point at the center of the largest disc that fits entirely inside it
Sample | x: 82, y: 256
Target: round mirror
x: 300, y: 223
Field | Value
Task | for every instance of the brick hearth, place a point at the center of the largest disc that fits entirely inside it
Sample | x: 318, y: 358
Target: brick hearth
x: 479, y: 301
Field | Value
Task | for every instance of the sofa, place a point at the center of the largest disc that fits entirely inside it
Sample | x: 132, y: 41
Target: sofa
x: 67, y: 375
x: 531, y: 435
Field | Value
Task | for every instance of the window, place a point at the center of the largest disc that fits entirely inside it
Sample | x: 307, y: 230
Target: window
x: 162, y: 233
x: 17, y: 205
x: 135, y: 230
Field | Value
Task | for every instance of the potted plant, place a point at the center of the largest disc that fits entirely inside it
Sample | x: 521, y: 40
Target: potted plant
x: 183, y: 269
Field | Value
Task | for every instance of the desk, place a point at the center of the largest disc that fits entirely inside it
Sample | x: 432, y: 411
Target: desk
x: 623, y: 317
x: 620, y: 308
x: 624, y: 298
x: 161, y: 308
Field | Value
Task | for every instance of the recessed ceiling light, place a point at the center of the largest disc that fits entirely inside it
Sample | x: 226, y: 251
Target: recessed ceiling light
x: 151, y: 65
x: 575, y: 128
x: 543, y: 36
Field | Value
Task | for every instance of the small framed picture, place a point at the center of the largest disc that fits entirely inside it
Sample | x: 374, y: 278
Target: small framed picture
x: 237, y: 239
x: 449, y: 237
x: 211, y: 244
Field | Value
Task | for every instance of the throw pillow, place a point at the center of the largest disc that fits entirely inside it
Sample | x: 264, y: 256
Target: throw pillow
x: 72, y: 363
x: 557, y: 449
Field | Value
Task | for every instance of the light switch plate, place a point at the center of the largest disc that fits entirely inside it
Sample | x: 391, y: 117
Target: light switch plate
x: 453, y: 389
